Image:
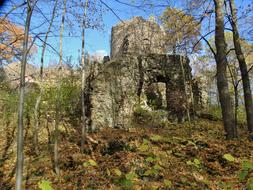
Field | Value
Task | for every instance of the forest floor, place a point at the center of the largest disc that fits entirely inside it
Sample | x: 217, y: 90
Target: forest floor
x: 181, y: 156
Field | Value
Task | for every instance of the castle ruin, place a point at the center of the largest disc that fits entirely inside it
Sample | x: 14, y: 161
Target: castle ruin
x: 140, y: 73
x: 137, y: 36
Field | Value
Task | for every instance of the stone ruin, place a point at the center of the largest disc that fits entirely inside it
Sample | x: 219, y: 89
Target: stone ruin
x: 137, y: 36
x: 140, y: 73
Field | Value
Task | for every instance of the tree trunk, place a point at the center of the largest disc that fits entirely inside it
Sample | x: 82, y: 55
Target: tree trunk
x: 235, y: 83
x: 243, y: 68
x: 222, y: 82
x: 37, y: 105
x: 20, y: 138
x: 184, y: 82
x: 83, y: 79
x: 37, y: 121
x: 236, y: 103
x: 58, y: 98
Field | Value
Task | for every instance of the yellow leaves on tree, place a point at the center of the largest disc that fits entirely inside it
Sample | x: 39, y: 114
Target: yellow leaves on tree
x: 181, y: 29
x: 247, y: 48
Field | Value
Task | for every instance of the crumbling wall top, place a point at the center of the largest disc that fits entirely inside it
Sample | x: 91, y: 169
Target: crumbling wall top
x: 137, y: 36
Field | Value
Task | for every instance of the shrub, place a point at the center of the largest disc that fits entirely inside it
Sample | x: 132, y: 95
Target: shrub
x: 150, y: 118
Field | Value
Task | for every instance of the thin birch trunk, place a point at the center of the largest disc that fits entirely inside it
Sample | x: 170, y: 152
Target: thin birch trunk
x: 58, y: 96
x: 184, y: 83
x: 83, y: 79
x: 20, y: 136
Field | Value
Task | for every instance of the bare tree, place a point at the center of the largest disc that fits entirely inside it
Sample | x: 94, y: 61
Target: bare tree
x: 58, y: 96
x: 20, y: 137
x: 83, y: 77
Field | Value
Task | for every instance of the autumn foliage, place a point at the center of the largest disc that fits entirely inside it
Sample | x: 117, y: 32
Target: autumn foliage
x: 186, y: 28
x: 11, y: 40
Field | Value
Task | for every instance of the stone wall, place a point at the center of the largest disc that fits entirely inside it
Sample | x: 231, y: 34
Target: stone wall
x: 153, y: 81
x: 140, y: 74
x: 137, y: 36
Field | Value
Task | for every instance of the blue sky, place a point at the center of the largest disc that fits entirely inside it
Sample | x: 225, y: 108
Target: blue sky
x: 96, y: 41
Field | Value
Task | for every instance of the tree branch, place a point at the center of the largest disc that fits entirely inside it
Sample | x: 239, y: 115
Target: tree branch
x: 13, y: 9
x: 111, y: 10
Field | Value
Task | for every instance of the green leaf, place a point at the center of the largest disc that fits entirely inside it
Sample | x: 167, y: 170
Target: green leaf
x: 194, y: 184
x: 108, y: 172
x: 189, y: 162
x: 90, y: 162
x: 196, y: 161
x: 229, y: 157
x: 243, y: 175
x: 157, y: 167
x: 150, y: 159
x: 250, y: 184
x: 45, y: 185
x: 117, y: 172
x: 126, y: 183
x: 145, y: 141
x: 167, y: 183
x: 131, y: 176
x: 156, y: 138
x: 247, y: 165
x: 149, y: 172
x: 144, y: 148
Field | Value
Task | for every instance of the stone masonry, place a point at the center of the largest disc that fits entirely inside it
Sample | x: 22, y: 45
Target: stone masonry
x: 139, y: 73
x: 137, y: 36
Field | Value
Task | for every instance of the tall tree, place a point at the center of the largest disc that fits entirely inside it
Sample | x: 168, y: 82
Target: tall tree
x: 58, y: 96
x: 83, y: 77
x: 222, y: 81
x: 234, y: 77
x: 20, y: 138
x: 243, y: 68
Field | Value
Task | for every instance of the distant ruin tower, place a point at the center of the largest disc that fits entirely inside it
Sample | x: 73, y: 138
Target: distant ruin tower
x: 137, y: 36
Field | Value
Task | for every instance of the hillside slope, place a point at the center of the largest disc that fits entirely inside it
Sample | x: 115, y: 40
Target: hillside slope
x: 182, y: 156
